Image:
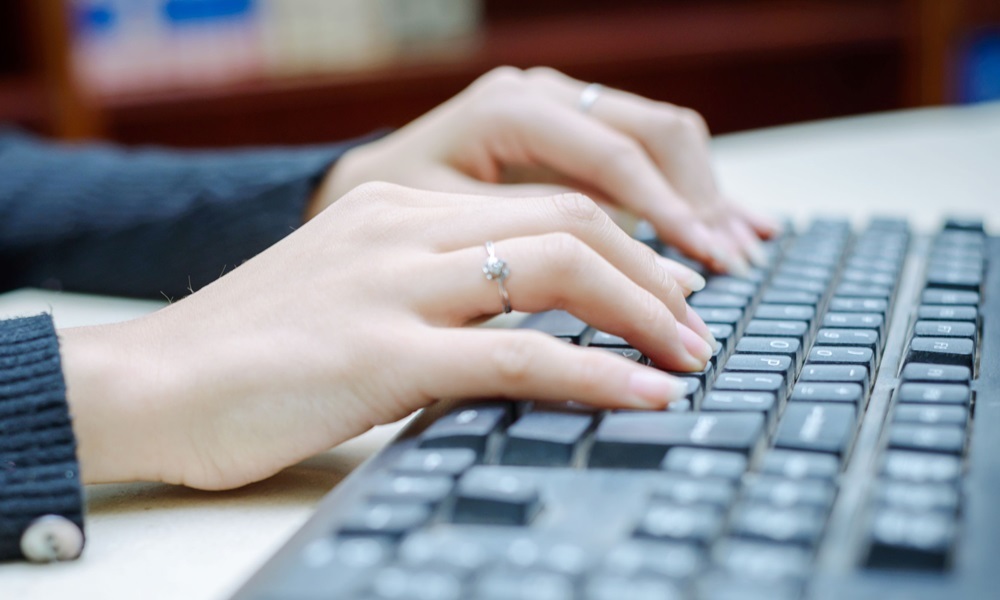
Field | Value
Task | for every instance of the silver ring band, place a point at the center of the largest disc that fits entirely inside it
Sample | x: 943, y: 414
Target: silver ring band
x: 589, y: 96
x: 496, y: 269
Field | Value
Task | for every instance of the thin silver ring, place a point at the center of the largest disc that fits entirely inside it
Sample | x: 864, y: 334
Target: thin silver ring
x: 589, y: 96
x: 496, y: 269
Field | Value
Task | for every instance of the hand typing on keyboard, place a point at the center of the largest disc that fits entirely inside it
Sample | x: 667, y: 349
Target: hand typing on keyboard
x: 355, y: 320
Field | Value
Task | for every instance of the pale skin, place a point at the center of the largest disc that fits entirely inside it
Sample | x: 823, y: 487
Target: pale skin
x: 362, y: 315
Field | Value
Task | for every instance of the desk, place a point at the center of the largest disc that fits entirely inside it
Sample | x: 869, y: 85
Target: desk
x: 155, y: 541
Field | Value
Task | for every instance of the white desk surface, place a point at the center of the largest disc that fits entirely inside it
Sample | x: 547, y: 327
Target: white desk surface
x: 155, y: 541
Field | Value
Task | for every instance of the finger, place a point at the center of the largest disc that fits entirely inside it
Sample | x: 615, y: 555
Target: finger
x: 531, y: 365
x: 600, y: 156
x: 748, y: 242
x: 764, y: 226
x: 557, y: 270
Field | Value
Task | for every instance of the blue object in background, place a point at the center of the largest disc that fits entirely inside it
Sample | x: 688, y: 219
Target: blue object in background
x: 980, y: 68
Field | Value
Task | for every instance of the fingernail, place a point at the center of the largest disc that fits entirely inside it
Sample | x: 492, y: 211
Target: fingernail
x: 694, y: 344
x: 755, y: 250
x: 653, y: 389
x: 695, y: 322
x: 689, y: 278
x: 703, y: 238
x: 732, y: 263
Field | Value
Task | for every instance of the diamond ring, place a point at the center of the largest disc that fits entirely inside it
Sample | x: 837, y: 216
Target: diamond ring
x: 496, y: 269
x: 589, y: 96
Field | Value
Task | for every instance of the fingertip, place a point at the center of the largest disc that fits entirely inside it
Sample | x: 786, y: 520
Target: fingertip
x: 652, y: 389
x: 697, y: 346
x: 688, y: 278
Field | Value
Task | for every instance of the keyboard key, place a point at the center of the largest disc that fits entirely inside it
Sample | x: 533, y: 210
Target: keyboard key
x: 792, y: 270
x: 704, y: 376
x: 385, y: 519
x: 614, y: 587
x: 961, y: 329
x: 545, y: 438
x: 936, y: 373
x: 705, y: 463
x: 466, y: 427
x: 921, y: 467
x: 560, y: 324
x: 931, y: 312
x: 681, y: 522
x: 429, y: 489
x: 835, y: 374
x: 942, y: 351
x: 722, y: 334
x: 731, y: 285
x: 796, y: 524
x: 949, y: 439
x: 960, y: 279
x: 792, y: 282
x: 763, y: 402
x: 780, y: 492
x: 493, y: 495
x: 949, y: 297
x: 864, y: 305
x: 854, y: 320
x: 817, y: 427
x: 751, y: 382
x: 935, y: 393
x: 868, y: 276
x: 789, y: 347
x: 964, y: 224
x: 607, y: 340
x: 401, y: 582
x: 856, y: 290
x: 773, y: 296
x: 505, y: 583
x: 723, y: 316
x: 917, y: 497
x: 682, y: 489
x: 629, y: 353
x: 863, y: 338
x: 446, y: 549
x: 907, y: 540
x: 452, y: 462
x: 931, y: 414
x: 707, y: 299
x: 785, y: 312
x: 769, y: 363
x: 678, y: 562
x: 842, y: 355
x: 851, y: 393
x: 640, y: 440
x: 777, y: 328
x: 761, y: 561
x: 800, y: 465
x: 722, y: 585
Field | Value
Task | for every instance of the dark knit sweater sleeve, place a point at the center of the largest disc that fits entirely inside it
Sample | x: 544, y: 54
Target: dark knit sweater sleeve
x: 150, y: 222
x: 39, y: 474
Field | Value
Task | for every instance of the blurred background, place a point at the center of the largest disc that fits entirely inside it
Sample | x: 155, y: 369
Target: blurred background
x: 198, y: 73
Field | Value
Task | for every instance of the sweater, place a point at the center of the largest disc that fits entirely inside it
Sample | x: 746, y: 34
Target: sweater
x: 101, y: 219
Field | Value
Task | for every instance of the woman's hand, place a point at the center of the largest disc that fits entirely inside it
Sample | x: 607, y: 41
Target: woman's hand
x: 356, y: 320
x: 514, y: 133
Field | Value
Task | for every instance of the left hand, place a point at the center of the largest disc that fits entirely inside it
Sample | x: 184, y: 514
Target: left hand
x: 522, y: 133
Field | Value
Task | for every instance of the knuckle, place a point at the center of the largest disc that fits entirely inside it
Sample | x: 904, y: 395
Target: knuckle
x: 563, y: 254
x: 619, y: 160
x: 513, y: 358
x: 500, y: 78
x: 542, y: 73
x: 576, y: 209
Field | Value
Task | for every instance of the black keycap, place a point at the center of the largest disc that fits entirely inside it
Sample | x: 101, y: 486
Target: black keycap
x: 751, y: 382
x: 865, y: 277
x: 560, y: 324
x: 854, y: 320
x: 870, y: 263
x: 386, y: 519
x: 707, y: 299
x: 936, y: 373
x: 865, y: 305
x: 545, y: 438
x: 816, y: 426
x: 772, y: 296
x: 907, y: 540
x: 921, y: 467
x: 399, y: 582
x: 842, y: 355
x: 789, y: 347
x: 933, y: 312
x: 942, y: 351
x: 935, y: 393
x: 731, y: 285
x: 640, y: 440
x: 722, y: 334
x: 606, y: 340
x: 724, y: 316
x: 835, y: 374
x: 850, y: 393
x: 963, y: 279
x: 797, y: 525
x: 917, y: 497
x: 949, y: 439
x: 449, y: 461
x: 949, y: 297
x: 864, y: 338
x: 506, y: 583
x: 785, y: 312
x: 973, y: 224
x: 777, y: 328
x: 493, y: 495
x: 430, y: 489
x: 765, y: 403
x: 800, y: 465
x: 792, y: 282
x: 705, y: 376
x: 682, y: 489
x: 681, y: 522
x: 807, y: 272
x: 466, y: 427
x: 614, y: 587
x: 931, y: 414
x: 628, y: 353
x: 768, y: 363
x: 705, y: 463
x: 962, y: 329
x: 781, y: 492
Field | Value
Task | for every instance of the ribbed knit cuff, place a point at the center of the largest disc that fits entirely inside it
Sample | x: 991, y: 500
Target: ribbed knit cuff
x: 39, y: 472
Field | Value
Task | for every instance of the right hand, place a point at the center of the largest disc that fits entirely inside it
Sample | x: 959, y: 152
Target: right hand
x: 358, y: 318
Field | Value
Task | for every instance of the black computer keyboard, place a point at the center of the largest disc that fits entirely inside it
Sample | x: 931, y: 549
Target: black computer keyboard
x: 844, y: 442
